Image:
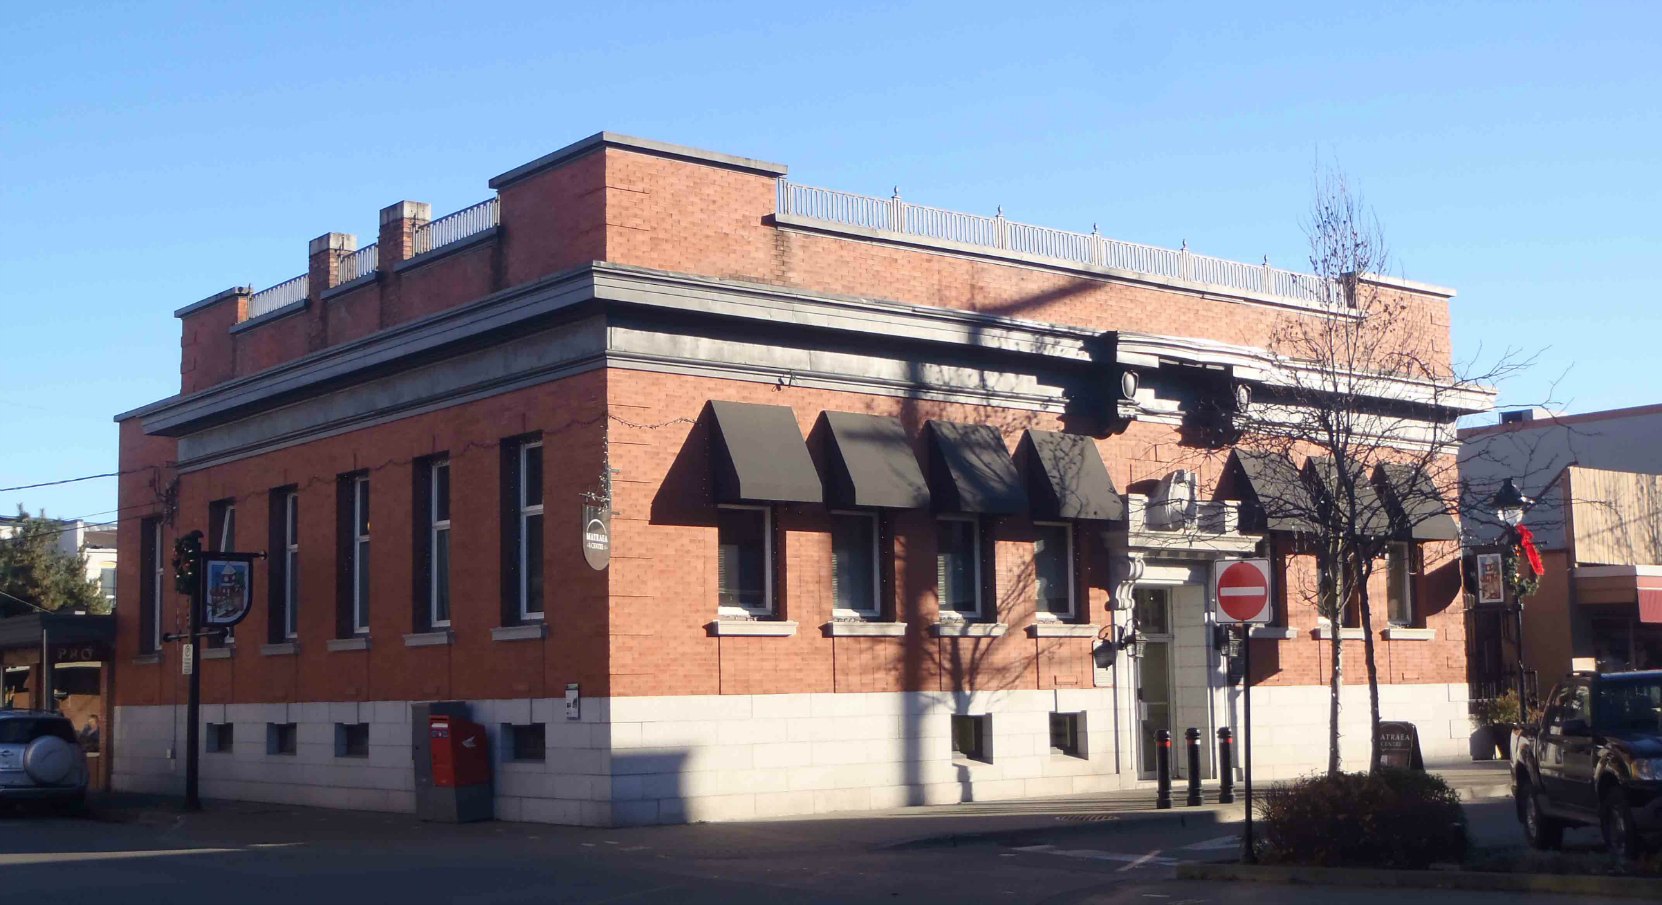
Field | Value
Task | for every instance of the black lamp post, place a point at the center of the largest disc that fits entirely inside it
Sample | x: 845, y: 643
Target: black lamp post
x: 1510, y: 505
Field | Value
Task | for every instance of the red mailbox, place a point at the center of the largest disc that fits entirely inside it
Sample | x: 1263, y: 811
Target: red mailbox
x: 461, y: 752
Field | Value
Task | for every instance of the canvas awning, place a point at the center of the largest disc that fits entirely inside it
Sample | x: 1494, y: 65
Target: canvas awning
x: 1415, y: 502
x: 970, y: 470
x: 1371, y: 518
x: 869, y: 463
x: 1278, y: 489
x: 1066, y: 478
x: 758, y: 455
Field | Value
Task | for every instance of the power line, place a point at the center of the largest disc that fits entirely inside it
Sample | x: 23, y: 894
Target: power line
x: 90, y: 477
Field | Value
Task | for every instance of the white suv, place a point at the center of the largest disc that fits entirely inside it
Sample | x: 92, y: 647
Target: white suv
x: 40, y: 760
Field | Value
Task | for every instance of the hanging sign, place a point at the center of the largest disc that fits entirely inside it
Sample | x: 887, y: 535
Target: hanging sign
x: 1242, y: 589
x: 227, y: 588
x: 597, y: 536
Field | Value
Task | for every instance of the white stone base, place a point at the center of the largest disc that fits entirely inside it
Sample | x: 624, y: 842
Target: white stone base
x: 675, y: 759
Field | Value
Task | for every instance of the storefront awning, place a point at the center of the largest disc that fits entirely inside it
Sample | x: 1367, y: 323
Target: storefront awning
x: 1371, y: 517
x: 1650, y: 605
x: 758, y: 455
x: 869, y: 463
x: 1066, y: 478
x: 1278, y: 489
x: 970, y: 470
x: 1415, y: 502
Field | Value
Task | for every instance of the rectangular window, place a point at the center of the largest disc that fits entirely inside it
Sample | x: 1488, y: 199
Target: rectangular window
x: 222, y: 537
x: 351, y: 739
x: 106, y: 584
x: 152, y: 556
x: 438, y: 542
x: 219, y: 738
x: 357, y: 551
x: 958, y: 566
x: 291, y: 564
x: 1066, y: 733
x: 1399, y: 583
x: 744, y: 559
x: 530, y: 531
x: 527, y: 742
x: 854, y: 577
x: 280, y: 738
x: 1053, y: 569
x: 969, y: 737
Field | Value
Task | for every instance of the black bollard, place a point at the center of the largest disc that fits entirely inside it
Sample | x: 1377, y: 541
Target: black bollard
x: 1191, y: 738
x: 1226, y: 766
x: 1162, y: 769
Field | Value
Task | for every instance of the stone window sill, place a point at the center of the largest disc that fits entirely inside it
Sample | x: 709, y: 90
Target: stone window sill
x: 1404, y: 633
x: 147, y: 659
x: 1062, y: 630
x: 872, y: 629
x: 357, y: 642
x: 530, y: 631
x: 968, y: 629
x: 217, y: 653
x: 1273, y: 633
x: 285, y: 649
x: 1325, y: 632
x: 752, y: 628
x: 440, y: 638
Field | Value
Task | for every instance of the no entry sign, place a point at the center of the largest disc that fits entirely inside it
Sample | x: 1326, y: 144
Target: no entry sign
x: 1242, y: 588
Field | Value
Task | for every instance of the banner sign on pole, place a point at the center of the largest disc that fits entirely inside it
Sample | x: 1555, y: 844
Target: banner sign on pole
x: 228, y: 586
x: 1242, y: 589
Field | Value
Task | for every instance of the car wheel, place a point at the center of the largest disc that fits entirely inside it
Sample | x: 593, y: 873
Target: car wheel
x: 1616, y: 822
x: 1542, y: 832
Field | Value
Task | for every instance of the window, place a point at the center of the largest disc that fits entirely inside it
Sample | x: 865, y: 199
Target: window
x: 219, y: 738
x: 222, y: 538
x: 1399, y: 583
x: 351, y: 739
x: 1053, y: 569
x: 1067, y: 731
x: 527, y: 742
x: 530, y: 531
x: 352, y: 531
x: 744, y: 559
x: 969, y: 737
x: 854, y: 579
x: 438, y: 543
x: 280, y: 738
x: 106, y: 584
x: 152, y: 556
x: 958, y: 566
x: 286, y: 587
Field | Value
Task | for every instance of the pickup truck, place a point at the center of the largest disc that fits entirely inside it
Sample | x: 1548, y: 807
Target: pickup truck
x: 1595, y: 758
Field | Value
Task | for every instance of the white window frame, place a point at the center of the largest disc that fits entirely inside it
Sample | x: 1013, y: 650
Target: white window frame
x: 767, y: 608
x: 526, y: 511
x: 975, y: 556
x: 1405, y: 551
x: 291, y: 564
x: 876, y: 612
x: 360, y: 550
x: 435, y: 526
x: 156, y: 587
x: 1073, y: 587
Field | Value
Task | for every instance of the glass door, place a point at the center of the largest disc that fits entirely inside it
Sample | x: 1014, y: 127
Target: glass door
x: 1154, y: 673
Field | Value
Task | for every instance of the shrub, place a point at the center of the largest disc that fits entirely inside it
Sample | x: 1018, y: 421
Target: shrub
x: 1493, y: 711
x: 1388, y: 818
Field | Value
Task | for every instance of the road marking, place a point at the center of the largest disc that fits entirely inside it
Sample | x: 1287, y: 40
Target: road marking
x: 16, y: 860
x: 1218, y: 844
x: 1144, y: 860
x: 1130, y: 861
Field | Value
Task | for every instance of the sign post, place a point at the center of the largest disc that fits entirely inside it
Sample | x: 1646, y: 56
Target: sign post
x: 1242, y: 590
x: 220, y: 588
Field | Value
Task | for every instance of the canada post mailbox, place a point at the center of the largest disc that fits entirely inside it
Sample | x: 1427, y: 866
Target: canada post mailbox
x: 461, y: 752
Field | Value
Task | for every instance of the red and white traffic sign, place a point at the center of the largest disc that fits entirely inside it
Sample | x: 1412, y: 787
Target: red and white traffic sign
x: 1242, y: 589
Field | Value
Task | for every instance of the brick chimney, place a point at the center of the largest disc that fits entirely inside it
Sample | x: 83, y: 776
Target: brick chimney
x: 398, y: 225
x: 323, y: 260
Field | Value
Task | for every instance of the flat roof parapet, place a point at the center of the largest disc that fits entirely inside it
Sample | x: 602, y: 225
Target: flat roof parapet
x: 600, y: 140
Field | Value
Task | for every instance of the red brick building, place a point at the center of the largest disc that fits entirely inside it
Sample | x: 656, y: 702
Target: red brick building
x: 881, y: 479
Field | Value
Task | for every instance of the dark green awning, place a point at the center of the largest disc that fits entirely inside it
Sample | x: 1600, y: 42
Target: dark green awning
x: 870, y: 463
x: 758, y: 455
x: 1371, y: 518
x: 1066, y: 478
x: 1415, y: 503
x: 970, y: 470
x: 1278, y: 489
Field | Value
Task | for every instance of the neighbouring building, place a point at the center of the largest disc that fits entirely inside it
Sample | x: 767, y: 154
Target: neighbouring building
x: 1597, y: 517
x: 877, y: 490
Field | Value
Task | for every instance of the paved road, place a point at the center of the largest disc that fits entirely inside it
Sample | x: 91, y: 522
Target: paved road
x: 258, y: 854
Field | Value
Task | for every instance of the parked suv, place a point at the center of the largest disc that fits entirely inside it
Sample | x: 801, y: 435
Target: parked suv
x: 1595, y: 757
x: 40, y: 758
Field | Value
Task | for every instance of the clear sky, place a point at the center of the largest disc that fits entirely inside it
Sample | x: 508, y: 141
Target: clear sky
x: 153, y: 154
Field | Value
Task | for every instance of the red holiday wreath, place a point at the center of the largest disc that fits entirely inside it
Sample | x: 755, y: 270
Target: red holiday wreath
x: 1525, y: 584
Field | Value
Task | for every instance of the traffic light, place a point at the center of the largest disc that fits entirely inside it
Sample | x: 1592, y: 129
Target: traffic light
x: 187, y: 556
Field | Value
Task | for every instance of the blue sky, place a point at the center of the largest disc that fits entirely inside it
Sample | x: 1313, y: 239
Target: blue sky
x: 151, y: 155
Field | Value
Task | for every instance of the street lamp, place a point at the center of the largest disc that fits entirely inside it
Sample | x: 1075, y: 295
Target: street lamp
x: 1509, y: 505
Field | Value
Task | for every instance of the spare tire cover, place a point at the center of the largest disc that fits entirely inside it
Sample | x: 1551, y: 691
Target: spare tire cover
x: 49, y: 760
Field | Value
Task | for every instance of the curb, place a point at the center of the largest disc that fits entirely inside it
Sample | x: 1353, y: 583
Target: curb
x: 1470, y: 880
x: 1107, y: 824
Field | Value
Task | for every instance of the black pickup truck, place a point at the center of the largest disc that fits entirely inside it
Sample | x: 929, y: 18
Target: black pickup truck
x: 1595, y: 757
